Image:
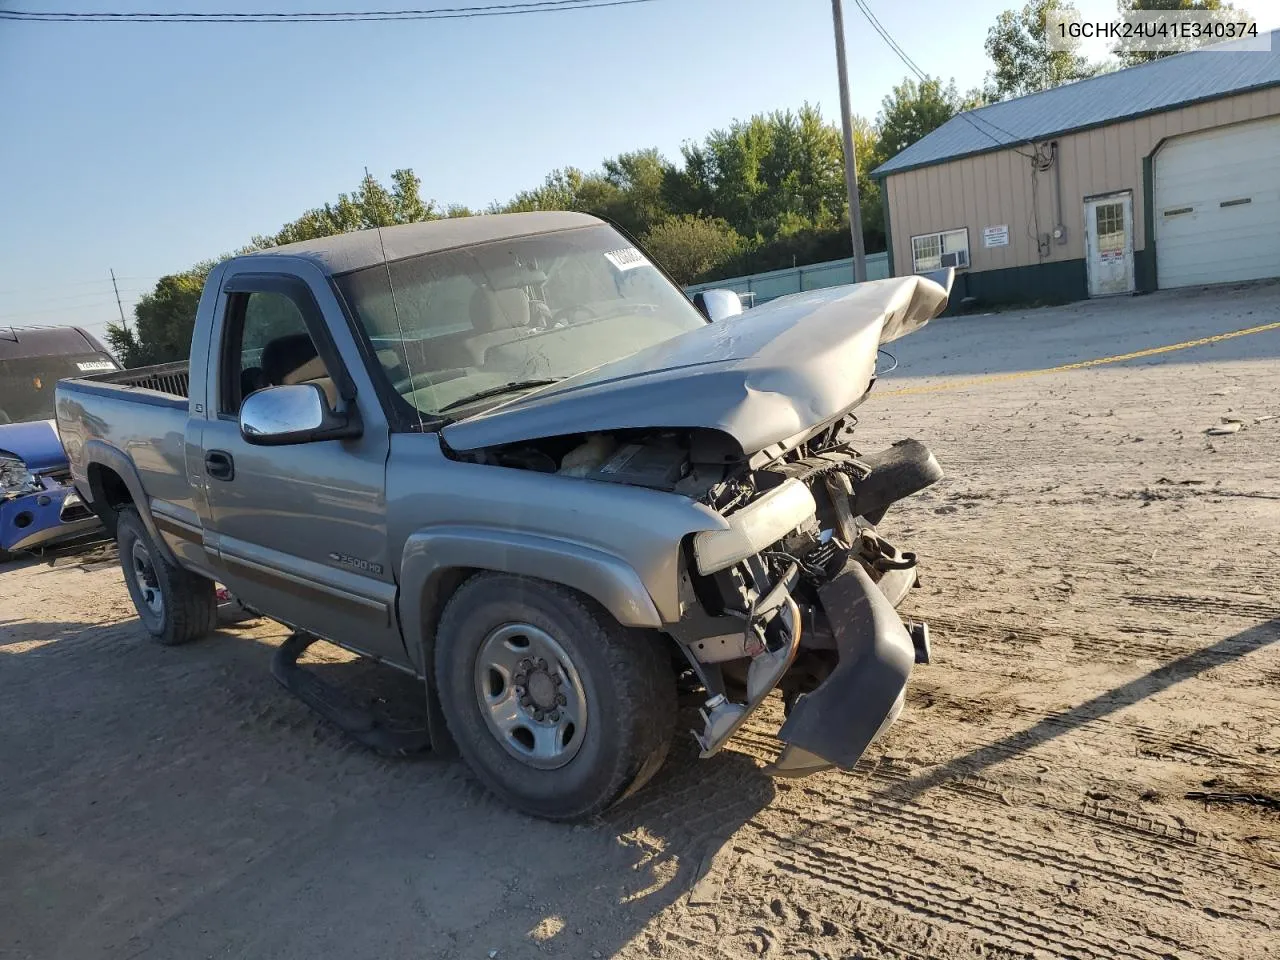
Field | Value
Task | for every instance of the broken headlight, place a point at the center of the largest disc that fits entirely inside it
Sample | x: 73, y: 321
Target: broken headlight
x: 756, y: 526
x: 15, y: 478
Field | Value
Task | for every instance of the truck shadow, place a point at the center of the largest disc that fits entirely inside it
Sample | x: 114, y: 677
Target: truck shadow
x: 310, y: 844
x: 436, y: 847
x: 1059, y: 724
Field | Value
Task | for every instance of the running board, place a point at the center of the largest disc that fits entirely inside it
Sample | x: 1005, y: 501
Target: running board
x: 357, y: 722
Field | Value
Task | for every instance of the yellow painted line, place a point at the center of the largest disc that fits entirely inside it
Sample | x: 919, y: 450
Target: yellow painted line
x: 1081, y: 365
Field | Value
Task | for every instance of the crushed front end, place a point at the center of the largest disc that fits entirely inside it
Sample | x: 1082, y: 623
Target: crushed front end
x: 39, y: 509
x: 799, y: 594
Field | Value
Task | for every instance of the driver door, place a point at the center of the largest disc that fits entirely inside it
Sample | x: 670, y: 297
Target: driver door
x: 299, y: 529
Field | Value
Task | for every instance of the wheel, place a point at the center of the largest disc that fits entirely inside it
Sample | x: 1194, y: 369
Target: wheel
x: 555, y: 706
x: 174, y: 605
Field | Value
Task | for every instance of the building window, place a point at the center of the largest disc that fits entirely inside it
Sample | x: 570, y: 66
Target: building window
x: 933, y: 251
x: 1109, y: 221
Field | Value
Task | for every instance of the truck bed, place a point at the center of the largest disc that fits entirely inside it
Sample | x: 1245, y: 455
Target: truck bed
x: 171, y: 378
x: 141, y: 413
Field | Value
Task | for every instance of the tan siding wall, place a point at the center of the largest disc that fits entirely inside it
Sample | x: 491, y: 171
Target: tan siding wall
x: 996, y: 188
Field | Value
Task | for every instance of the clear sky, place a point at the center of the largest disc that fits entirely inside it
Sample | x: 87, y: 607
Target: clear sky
x: 146, y: 148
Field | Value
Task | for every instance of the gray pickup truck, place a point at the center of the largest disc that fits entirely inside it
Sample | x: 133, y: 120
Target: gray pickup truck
x: 507, y: 455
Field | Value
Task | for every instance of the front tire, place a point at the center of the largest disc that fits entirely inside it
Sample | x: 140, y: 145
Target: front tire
x: 558, y: 709
x: 174, y: 605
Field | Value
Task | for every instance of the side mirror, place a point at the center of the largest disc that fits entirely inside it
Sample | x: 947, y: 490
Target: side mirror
x: 944, y: 278
x: 294, y: 413
x: 718, y: 304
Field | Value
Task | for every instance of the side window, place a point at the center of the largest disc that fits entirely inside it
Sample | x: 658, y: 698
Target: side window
x: 266, y: 344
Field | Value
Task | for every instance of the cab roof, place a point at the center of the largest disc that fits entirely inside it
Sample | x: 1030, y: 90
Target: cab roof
x: 364, y: 248
x: 23, y: 342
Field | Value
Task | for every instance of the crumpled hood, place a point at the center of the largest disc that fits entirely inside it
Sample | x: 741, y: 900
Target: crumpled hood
x: 760, y: 377
x: 35, y: 443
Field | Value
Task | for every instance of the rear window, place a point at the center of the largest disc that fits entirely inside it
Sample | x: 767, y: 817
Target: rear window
x: 26, y: 383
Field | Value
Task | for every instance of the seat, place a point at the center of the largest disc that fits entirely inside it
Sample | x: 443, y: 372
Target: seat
x: 294, y: 359
x: 251, y: 380
x: 498, y: 316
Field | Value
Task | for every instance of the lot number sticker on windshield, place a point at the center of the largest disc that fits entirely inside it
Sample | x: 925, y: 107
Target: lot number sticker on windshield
x: 91, y: 365
x: 628, y: 258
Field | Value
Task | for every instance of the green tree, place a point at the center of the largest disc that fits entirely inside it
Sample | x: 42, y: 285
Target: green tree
x: 688, y: 188
x: 768, y: 176
x: 163, y: 320
x: 370, y: 205
x: 165, y: 317
x: 640, y: 177
x: 802, y: 172
x: 1220, y: 10
x: 1019, y: 50
x: 691, y: 247
x: 913, y: 110
x: 866, y: 150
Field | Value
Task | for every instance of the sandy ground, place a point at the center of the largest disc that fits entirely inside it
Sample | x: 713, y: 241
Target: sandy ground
x: 1103, y: 583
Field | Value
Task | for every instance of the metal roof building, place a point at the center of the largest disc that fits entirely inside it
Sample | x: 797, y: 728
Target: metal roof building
x: 1165, y: 174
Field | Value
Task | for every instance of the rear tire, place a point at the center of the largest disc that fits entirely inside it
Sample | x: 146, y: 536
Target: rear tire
x: 174, y: 605
x: 509, y: 651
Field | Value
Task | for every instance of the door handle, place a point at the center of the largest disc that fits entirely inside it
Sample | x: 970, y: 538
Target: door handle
x: 219, y: 465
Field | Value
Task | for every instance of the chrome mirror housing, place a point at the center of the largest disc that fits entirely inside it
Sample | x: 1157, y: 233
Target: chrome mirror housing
x: 718, y: 304
x: 292, y: 413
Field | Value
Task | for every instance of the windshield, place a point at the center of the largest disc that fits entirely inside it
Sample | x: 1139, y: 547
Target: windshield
x: 517, y: 312
x: 26, y: 383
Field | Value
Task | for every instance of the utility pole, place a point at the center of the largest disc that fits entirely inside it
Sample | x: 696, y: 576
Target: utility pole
x: 124, y: 323
x: 850, y: 161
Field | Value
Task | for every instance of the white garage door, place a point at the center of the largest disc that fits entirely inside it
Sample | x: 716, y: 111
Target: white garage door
x: 1217, y: 205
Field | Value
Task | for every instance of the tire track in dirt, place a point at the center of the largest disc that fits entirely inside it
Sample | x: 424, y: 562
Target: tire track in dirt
x: 1116, y: 735
x: 1001, y: 795
x: 853, y: 872
x: 1181, y: 603
x: 990, y: 635
x: 1171, y: 841
x: 940, y: 829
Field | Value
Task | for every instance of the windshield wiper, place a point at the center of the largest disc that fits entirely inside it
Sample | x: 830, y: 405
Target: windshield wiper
x: 498, y: 391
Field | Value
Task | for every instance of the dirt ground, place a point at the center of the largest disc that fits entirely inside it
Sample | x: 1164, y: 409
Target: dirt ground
x: 1103, y: 583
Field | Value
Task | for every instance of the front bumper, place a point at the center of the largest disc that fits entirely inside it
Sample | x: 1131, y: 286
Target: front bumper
x: 834, y: 724
x: 46, y: 516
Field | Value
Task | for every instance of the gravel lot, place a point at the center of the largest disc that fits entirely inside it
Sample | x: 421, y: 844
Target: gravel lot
x: 1103, y: 583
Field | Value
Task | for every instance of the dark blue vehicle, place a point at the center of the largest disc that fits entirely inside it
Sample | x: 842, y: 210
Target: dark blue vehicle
x: 38, y: 505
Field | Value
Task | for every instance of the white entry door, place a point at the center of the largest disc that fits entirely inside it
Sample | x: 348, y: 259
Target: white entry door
x: 1108, y: 232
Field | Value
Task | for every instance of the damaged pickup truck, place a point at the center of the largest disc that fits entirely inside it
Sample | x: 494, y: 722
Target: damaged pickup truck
x: 507, y: 455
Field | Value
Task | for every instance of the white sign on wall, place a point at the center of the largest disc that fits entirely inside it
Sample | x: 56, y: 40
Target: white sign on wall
x: 996, y: 236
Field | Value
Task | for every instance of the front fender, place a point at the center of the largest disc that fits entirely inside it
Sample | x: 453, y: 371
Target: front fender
x: 430, y: 555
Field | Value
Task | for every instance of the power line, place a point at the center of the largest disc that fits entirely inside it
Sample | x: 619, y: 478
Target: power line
x: 27, y: 291
x: 80, y: 296
x: 349, y: 16
x: 924, y: 77
x: 79, y: 307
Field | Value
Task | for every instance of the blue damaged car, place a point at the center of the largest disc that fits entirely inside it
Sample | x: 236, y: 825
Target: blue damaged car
x: 38, y: 505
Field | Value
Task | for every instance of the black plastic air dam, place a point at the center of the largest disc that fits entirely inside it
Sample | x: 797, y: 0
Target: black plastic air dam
x: 896, y: 473
x: 838, y: 721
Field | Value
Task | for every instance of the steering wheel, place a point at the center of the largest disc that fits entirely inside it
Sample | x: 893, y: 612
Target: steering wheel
x: 576, y: 313
x: 413, y: 382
